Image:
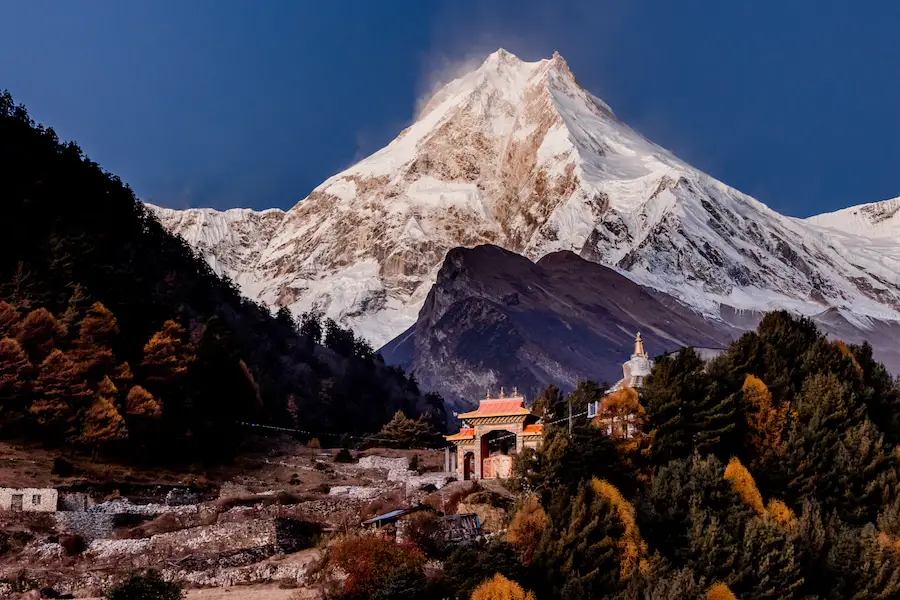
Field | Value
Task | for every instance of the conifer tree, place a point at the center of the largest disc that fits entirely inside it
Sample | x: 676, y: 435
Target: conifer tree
x: 580, y: 548
x: 39, y: 333
x: 501, y: 588
x: 102, y: 422
x: 9, y: 318
x: 92, y: 348
x: 765, y: 421
x: 78, y: 305
x: 527, y: 528
x: 60, y: 392
x: 404, y: 432
x: 768, y: 565
x: 167, y: 355
x: 742, y: 483
x: 670, y: 394
x: 311, y: 327
x: 99, y: 326
x: 551, y: 404
x: 720, y: 591
x: 122, y: 376
x: 15, y: 373
x: 141, y: 403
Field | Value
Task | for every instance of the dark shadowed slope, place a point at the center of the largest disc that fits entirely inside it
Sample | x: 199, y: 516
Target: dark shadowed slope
x: 494, y: 318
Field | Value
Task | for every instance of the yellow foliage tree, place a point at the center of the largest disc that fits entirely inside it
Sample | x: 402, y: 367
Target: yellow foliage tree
x: 742, y: 482
x: 632, y: 546
x: 102, y: 422
x: 765, y: 421
x: 720, y: 591
x: 526, y: 529
x: 501, y: 588
x: 781, y: 513
x: 141, y: 403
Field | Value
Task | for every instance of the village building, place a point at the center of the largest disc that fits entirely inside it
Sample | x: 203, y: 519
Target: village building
x: 490, y: 436
x: 28, y: 499
x: 500, y: 428
x: 618, y: 412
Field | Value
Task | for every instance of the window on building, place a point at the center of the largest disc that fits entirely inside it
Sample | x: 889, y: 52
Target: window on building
x: 36, y: 499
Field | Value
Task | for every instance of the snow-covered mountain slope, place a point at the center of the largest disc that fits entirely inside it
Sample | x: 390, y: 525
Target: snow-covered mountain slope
x: 519, y: 155
x: 877, y: 219
x: 231, y: 241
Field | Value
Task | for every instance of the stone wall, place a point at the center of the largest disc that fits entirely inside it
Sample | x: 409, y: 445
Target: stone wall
x: 29, y: 499
x: 88, y: 525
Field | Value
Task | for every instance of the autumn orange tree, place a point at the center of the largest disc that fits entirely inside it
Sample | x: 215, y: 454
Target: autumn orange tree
x: 15, y: 374
x: 765, y: 420
x: 501, y: 588
x: 527, y: 528
x: 102, y: 424
x: 372, y: 564
x: 60, y: 392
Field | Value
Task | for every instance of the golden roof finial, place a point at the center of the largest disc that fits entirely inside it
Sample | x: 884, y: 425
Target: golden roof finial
x: 639, y: 345
x: 515, y: 391
x: 487, y: 394
x: 502, y: 395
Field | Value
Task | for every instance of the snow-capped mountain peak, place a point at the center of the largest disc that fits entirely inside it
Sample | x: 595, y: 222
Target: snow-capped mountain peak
x: 519, y: 155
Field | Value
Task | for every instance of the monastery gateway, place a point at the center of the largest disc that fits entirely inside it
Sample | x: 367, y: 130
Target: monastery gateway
x: 502, y: 427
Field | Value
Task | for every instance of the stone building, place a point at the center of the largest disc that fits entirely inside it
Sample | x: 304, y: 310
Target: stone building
x: 490, y: 436
x: 28, y: 499
x: 618, y: 411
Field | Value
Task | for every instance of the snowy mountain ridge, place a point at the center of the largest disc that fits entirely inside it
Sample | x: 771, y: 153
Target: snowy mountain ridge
x: 519, y: 155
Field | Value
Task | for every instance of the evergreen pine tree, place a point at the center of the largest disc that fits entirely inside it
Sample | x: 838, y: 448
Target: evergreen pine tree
x: 78, y: 305
x: 670, y: 395
x: 581, y: 546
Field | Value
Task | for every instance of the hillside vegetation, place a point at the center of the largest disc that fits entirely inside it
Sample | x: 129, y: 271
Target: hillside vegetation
x: 770, y: 472
x: 115, y: 336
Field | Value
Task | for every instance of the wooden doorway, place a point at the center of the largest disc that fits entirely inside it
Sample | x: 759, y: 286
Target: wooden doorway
x: 468, y: 465
x: 16, y: 504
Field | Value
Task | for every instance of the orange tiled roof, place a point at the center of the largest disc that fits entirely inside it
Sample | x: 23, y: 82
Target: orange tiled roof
x: 533, y: 429
x: 464, y: 434
x: 498, y: 407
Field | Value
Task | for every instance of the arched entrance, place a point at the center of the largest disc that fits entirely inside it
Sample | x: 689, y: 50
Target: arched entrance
x: 468, y: 466
x: 497, y: 450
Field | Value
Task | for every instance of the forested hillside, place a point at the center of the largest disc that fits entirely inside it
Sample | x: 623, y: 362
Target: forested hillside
x: 770, y: 472
x: 113, y: 334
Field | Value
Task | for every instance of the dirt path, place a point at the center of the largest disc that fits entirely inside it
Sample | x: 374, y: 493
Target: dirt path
x: 246, y: 592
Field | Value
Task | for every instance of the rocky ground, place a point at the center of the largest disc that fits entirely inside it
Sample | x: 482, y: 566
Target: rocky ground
x: 229, y: 532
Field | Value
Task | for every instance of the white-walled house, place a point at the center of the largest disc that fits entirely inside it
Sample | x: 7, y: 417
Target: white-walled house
x: 28, y: 499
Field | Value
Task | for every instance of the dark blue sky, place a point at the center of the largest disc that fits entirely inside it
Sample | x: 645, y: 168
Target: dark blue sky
x: 233, y: 103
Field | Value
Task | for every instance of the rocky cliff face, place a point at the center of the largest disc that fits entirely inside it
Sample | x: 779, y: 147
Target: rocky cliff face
x: 519, y: 155
x: 494, y: 318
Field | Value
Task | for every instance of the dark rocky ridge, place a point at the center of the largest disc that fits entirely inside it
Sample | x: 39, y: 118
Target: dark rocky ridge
x: 494, y: 318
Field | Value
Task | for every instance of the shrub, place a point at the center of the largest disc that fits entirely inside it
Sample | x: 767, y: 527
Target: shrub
x: 145, y: 586
x: 344, y: 456
x: 72, y: 544
x: 314, y: 444
x: 371, y: 563
x: 424, y: 529
x: 414, y: 463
